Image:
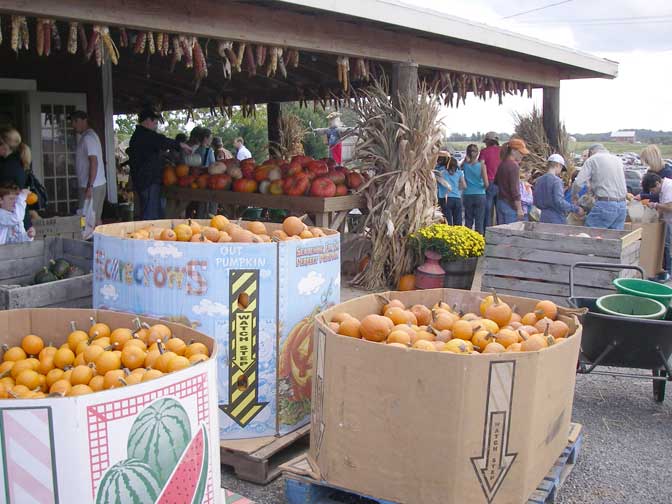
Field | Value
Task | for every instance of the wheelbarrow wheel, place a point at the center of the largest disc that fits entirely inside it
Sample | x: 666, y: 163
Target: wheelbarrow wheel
x: 659, y: 385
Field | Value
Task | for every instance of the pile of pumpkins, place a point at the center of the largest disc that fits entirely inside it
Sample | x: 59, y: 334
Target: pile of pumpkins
x: 57, y: 269
x: 222, y: 230
x: 94, y: 360
x: 496, y: 329
x: 299, y: 176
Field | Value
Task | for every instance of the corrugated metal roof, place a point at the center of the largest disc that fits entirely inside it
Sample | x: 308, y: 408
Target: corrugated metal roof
x: 439, y: 24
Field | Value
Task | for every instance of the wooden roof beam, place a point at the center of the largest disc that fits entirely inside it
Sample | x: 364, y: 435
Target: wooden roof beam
x: 305, y: 31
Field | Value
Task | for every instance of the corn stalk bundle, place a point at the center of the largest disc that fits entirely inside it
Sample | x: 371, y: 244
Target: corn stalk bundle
x: 399, y: 147
x: 292, y: 133
x: 530, y: 127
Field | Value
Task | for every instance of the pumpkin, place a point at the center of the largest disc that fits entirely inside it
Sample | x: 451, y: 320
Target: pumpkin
x: 457, y: 346
x: 182, y: 170
x: 168, y: 235
x: 546, y: 309
x: 211, y: 233
x: 32, y: 198
x: 558, y: 329
x: 219, y: 222
x: 424, y: 345
x: 406, y: 283
x: 183, y: 232
x: 169, y: 177
x: 376, y: 328
x: 543, y: 324
x: 494, y: 347
x: 389, y: 304
x: 351, y: 327
x: 422, y: 314
x: 400, y: 316
x: 442, y: 320
x: 293, y: 226
x: 217, y: 168
x: 398, y: 336
x: 462, y: 329
x: 296, y: 360
x: 256, y: 227
x: 506, y: 337
x: 499, y: 312
x: 534, y: 343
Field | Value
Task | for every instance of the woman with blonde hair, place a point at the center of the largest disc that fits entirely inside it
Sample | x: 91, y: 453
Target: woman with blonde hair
x: 653, y: 159
x: 15, y: 160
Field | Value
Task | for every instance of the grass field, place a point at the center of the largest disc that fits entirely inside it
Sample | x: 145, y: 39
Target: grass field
x: 615, y: 147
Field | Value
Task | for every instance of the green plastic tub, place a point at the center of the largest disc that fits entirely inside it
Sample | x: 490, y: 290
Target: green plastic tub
x: 625, y: 305
x: 644, y: 288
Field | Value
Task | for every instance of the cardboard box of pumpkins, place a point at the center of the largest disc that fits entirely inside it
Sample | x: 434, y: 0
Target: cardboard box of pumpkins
x: 441, y: 396
x: 97, y: 408
x: 253, y: 286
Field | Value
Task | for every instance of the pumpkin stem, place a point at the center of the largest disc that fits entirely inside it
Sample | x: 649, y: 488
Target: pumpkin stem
x: 431, y: 330
x: 92, y: 320
x: 53, y: 394
x: 476, y: 347
x: 548, y: 326
x: 495, y: 298
x: 383, y: 299
x: 4, y: 347
x: 159, y: 345
x: 490, y: 336
x: 5, y: 373
x: 111, y: 346
x: 126, y: 371
x: 303, y: 217
x: 123, y: 382
x: 13, y: 394
x: 522, y: 335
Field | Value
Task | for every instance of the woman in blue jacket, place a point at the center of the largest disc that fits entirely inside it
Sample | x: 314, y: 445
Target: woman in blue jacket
x: 549, y: 195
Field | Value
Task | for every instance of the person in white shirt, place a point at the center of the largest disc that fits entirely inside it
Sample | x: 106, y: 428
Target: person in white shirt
x: 243, y: 152
x: 89, y: 164
x: 12, y: 211
x: 604, y: 173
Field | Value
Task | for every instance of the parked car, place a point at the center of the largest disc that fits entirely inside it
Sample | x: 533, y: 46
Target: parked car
x: 633, y: 181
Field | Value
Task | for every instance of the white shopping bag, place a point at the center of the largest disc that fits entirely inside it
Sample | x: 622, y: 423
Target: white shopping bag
x: 89, y: 215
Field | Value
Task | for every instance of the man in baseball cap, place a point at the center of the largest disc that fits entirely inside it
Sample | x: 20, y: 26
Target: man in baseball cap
x: 549, y: 194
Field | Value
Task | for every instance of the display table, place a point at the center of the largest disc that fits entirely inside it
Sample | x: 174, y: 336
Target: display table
x: 326, y: 212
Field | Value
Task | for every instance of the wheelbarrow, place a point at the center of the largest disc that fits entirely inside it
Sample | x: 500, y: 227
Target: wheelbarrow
x: 623, y: 342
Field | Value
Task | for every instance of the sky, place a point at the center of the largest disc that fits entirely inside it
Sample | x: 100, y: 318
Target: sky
x: 636, y: 34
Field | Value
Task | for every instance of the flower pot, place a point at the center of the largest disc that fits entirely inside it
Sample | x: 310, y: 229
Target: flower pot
x: 459, y: 274
x: 430, y: 275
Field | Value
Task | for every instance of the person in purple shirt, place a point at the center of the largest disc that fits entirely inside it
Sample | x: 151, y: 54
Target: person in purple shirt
x: 490, y: 157
x: 549, y: 195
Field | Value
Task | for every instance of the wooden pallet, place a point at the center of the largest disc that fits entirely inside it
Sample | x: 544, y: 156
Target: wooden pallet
x: 258, y: 460
x: 305, y: 490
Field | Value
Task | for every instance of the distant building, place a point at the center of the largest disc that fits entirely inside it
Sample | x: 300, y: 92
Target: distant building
x: 623, y: 136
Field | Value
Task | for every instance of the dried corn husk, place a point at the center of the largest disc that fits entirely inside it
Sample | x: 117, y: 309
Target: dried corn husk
x: 399, y: 147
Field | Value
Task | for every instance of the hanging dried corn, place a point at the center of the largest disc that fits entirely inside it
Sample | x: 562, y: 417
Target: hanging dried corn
x: 281, y: 63
x: 0, y: 30
x: 272, y: 66
x: 261, y: 55
x: 240, y: 56
x: 200, y: 64
x: 250, y: 61
x: 159, y: 42
x: 39, y: 37
x: 123, y: 37
x: 98, y: 46
x: 56, y: 36
x: 72, y: 37
x: 187, y: 45
x: 140, y: 43
x: 24, y: 39
x: 343, y: 64
x: 151, y: 46
x: 177, y: 53
x: 92, y: 44
x: 111, y: 50
x: 46, y: 28
x: 83, y: 40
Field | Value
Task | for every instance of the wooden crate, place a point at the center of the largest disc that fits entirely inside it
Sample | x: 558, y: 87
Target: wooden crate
x: 62, y: 227
x: 20, y: 262
x: 531, y: 259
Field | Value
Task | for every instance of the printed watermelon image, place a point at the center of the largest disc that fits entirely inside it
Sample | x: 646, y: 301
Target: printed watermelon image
x: 188, y: 482
x: 128, y: 482
x: 159, y: 435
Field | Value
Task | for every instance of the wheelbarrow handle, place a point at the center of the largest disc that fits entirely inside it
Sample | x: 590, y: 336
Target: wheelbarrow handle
x: 597, y: 265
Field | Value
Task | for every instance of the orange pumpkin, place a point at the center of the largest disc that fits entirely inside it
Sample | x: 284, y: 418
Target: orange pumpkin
x: 169, y: 176
x: 32, y: 198
x: 182, y: 170
x: 406, y: 283
x: 376, y: 328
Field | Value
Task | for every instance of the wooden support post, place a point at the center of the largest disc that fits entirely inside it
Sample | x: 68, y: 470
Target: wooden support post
x: 551, y: 115
x: 273, y: 115
x: 404, y: 81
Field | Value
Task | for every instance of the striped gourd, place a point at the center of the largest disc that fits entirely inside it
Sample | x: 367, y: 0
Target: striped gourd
x: 159, y: 435
x: 128, y: 482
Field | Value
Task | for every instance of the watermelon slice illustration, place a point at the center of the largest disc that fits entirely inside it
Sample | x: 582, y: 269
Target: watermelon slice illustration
x: 187, y: 483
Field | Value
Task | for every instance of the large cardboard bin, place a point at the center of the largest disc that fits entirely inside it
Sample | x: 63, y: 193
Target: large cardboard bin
x: 86, y: 449
x: 265, y: 348
x: 433, y: 427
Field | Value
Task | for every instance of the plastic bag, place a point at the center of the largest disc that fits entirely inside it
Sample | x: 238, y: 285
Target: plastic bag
x: 89, y: 215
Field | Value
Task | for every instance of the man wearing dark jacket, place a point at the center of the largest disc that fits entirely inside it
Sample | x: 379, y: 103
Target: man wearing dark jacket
x: 144, y: 155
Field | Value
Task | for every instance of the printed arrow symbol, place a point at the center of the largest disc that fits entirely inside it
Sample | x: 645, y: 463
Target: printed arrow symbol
x: 493, y: 464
